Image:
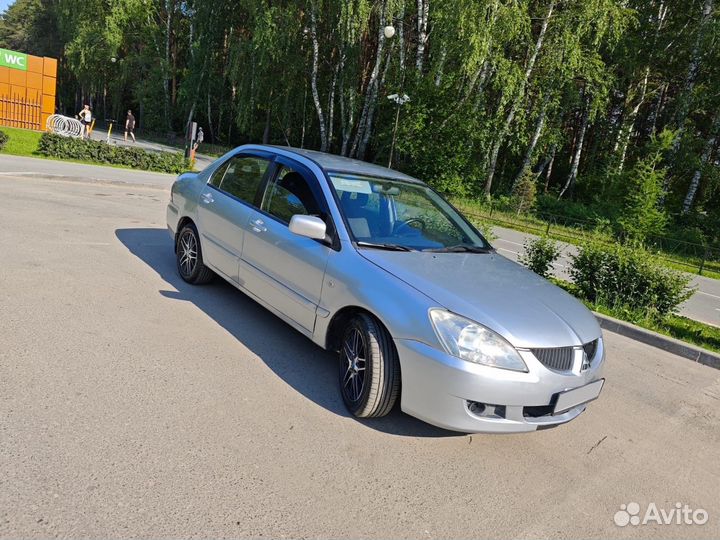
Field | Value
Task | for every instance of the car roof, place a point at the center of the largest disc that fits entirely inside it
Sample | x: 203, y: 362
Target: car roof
x: 335, y: 163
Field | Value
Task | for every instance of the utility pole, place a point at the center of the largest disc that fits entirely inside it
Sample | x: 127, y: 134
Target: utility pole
x: 399, y: 101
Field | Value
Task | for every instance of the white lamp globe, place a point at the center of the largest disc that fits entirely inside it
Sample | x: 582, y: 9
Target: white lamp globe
x: 389, y: 31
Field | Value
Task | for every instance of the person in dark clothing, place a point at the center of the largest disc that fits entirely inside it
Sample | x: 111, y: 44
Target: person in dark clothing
x: 130, y: 126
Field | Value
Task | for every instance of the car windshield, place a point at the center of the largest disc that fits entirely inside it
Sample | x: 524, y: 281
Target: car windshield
x: 394, y: 214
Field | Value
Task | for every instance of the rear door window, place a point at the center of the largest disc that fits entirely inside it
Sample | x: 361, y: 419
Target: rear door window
x: 241, y: 177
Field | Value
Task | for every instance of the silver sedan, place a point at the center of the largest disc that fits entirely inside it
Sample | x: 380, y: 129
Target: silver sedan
x: 375, y: 265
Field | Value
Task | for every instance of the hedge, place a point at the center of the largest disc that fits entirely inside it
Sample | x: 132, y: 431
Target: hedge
x: 621, y: 276
x: 56, y: 146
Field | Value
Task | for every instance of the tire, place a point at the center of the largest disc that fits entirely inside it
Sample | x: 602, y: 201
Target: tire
x: 369, y: 368
x: 188, y: 255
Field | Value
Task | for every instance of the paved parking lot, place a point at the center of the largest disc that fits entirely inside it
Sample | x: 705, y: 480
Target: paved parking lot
x: 134, y: 405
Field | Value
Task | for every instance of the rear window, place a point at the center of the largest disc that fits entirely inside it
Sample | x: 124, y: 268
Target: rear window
x: 241, y: 177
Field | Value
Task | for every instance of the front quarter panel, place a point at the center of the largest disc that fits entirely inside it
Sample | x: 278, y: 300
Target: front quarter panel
x: 351, y: 280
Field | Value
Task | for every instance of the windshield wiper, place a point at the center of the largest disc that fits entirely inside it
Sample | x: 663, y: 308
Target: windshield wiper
x: 461, y: 248
x: 390, y: 247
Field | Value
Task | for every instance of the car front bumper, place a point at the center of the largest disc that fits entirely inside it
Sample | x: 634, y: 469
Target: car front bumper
x: 461, y: 396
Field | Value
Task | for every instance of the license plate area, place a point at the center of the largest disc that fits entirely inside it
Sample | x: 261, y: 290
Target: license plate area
x: 577, y: 396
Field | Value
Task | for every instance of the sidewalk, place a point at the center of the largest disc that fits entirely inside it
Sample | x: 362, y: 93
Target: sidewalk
x: 118, y: 138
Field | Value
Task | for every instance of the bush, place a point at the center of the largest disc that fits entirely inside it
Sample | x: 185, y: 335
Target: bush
x: 524, y: 192
x: 3, y: 139
x: 99, y: 152
x: 643, y: 214
x: 622, y: 277
x: 539, y: 254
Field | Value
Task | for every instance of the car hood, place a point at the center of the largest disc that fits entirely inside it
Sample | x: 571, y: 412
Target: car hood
x: 527, y: 310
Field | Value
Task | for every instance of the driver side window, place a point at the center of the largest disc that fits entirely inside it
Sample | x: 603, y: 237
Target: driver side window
x: 288, y: 194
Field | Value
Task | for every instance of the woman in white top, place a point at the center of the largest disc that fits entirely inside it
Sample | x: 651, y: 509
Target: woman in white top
x: 85, y: 119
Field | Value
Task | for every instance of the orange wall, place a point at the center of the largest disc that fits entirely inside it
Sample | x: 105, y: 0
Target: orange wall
x: 36, y: 86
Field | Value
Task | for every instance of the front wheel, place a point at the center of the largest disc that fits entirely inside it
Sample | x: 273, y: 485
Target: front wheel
x: 369, y: 368
x: 189, y: 257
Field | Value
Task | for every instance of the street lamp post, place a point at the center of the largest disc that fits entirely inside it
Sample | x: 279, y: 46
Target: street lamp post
x: 399, y: 101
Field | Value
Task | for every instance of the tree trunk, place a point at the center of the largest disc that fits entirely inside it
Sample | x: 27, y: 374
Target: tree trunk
x: 705, y: 158
x: 423, y: 10
x: 304, y: 108
x: 313, y: 80
x: 347, y: 124
x: 371, y: 90
x: 692, y: 73
x: 539, y: 124
x: 209, y: 118
x: 331, y: 107
x: 169, y: 8
x: 578, y: 149
x: 658, y: 108
x: 628, y: 125
x: 513, y: 108
x: 268, y: 122
x: 550, y: 162
x: 371, y: 112
x: 441, y: 66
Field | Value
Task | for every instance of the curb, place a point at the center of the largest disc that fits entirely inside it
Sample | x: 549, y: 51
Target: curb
x: 668, y: 344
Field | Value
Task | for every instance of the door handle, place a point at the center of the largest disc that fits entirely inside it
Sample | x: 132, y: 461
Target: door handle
x: 258, y: 225
x: 207, y: 198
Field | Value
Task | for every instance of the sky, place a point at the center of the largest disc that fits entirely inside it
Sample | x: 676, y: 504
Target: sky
x: 4, y: 4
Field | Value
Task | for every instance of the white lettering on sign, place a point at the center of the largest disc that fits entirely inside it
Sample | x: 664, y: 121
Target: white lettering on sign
x: 18, y: 61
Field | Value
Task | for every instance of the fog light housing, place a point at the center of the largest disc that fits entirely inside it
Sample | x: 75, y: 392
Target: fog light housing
x: 486, y: 410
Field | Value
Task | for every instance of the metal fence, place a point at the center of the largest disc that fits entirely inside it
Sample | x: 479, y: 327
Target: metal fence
x: 690, y: 256
x: 20, y: 112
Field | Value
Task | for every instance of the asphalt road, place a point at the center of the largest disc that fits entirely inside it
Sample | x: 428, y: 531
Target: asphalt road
x: 134, y: 405
x: 703, y: 306
x: 49, y: 168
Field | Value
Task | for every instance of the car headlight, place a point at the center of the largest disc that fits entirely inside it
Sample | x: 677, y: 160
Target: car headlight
x: 473, y: 342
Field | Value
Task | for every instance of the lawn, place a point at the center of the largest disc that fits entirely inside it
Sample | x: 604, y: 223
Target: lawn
x: 479, y: 214
x: 21, y: 142
x: 700, y: 334
x: 24, y: 142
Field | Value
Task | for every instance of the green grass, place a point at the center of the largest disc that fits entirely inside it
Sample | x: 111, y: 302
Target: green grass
x: 700, y: 334
x: 21, y: 142
x: 480, y: 214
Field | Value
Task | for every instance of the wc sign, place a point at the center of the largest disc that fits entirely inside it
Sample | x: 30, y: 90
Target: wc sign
x: 13, y: 59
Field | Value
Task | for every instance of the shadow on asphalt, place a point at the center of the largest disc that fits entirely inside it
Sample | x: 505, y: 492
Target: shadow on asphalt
x: 303, y: 365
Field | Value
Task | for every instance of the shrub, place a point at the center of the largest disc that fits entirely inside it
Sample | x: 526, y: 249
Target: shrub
x: 622, y: 277
x: 3, y: 139
x: 539, y: 254
x: 99, y: 152
x: 524, y: 192
x: 644, y: 215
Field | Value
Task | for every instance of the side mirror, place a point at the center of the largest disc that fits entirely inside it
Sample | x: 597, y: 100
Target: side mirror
x: 308, y: 226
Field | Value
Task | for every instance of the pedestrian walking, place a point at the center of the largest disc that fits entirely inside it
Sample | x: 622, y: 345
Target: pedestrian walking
x: 199, y: 138
x: 130, y: 126
x: 85, y: 119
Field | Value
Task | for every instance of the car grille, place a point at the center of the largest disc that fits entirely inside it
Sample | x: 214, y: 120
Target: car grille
x: 557, y: 359
x: 561, y: 358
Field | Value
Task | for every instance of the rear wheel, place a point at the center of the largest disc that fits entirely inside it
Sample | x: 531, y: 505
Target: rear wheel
x: 369, y: 368
x: 189, y: 257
